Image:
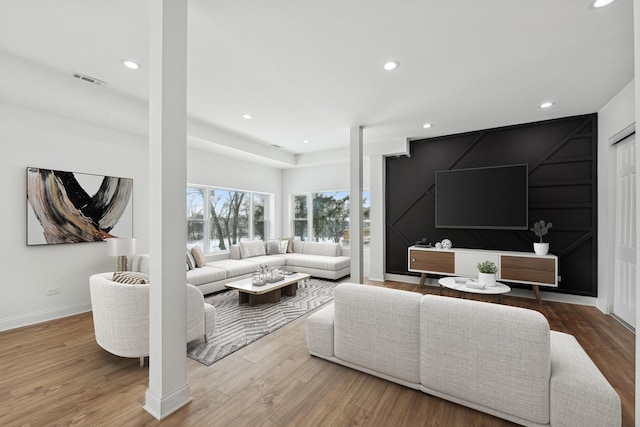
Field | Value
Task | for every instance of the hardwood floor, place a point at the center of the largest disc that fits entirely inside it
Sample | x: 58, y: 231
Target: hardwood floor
x: 55, y: 374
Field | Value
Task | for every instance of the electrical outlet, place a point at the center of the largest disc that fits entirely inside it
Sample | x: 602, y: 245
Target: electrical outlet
x: 53, y: 291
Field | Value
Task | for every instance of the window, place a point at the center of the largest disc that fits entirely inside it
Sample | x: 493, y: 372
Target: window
x: 226, y: 218
x: 195, y: 215
x: 330, y: 216
x: 300, y: 221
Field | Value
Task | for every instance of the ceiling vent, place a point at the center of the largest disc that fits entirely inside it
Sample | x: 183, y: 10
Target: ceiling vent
x: 276, y: 146
x: 89, y: 79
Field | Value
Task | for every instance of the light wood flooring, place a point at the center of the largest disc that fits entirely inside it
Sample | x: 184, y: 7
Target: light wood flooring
x: 55, y: 374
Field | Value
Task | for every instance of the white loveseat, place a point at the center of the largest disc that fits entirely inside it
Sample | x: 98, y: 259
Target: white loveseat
x: 121, y: 316
x: 318, y: 259
x: 497, y: 359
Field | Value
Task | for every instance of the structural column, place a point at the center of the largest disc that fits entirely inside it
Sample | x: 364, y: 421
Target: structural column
x: 355, y: 203
x: 636, y: 55
x: 376, y: 216
x: 168, y: 389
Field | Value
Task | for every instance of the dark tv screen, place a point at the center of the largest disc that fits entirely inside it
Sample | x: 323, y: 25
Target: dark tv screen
x: 483, y: 198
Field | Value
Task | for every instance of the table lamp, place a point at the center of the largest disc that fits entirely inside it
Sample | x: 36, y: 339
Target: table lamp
x: 121, y: 247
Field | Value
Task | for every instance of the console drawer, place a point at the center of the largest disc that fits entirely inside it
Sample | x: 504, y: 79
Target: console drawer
x: 435, y: 262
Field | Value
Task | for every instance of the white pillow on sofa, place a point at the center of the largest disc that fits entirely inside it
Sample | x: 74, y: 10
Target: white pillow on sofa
x: 251, y: 249
x: 273, y: 247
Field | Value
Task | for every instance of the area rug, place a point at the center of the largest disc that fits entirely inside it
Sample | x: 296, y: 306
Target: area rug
x: 240, y: 325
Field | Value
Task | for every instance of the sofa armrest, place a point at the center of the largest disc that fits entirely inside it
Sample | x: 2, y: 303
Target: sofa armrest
x: 580, y: 395
x: 195, y: 313
x: 320, y: 332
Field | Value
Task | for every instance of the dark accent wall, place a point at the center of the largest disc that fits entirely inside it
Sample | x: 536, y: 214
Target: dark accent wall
x: 562, y: 159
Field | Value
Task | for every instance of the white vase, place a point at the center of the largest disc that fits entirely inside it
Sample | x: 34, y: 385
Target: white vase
x: 541, y: 248
x: 487, y: 279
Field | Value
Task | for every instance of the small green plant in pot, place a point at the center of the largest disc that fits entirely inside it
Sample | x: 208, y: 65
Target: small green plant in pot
x: 540, y: 229
x: 487, y: 273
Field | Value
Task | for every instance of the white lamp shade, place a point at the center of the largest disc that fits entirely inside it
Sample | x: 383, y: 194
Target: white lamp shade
x: 121, y: 246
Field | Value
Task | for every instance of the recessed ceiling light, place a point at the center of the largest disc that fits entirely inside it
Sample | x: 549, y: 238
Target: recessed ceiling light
x: 306, y: 141
x: 597, y: 4
x: 546, y: 104
x: 391, y: 65
x: 132, y: 65
x: 247, y: 116
x: 427, y: 125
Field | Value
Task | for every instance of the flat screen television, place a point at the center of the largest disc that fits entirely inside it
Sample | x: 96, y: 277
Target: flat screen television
x: 483, y: 198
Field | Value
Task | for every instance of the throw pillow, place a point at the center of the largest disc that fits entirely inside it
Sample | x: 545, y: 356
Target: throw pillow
x: 128, y: 278
x: 191, y: 262
x: 198, y: 255
x: 284, y: 244
x: 273, y: 247
x: 252, y: 248
x: 289, y: 244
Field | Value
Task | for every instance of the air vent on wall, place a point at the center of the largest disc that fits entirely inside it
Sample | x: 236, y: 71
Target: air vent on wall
x: 276, y: 146
x: 89, y: 79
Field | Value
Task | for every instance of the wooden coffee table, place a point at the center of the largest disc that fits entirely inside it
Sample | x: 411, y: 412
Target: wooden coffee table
x: 271, y: 292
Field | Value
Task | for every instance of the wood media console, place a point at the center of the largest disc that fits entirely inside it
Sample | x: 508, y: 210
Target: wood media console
x: 517, y: 267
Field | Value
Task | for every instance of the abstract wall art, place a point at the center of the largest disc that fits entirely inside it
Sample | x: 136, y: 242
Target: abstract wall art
x: 69, y: 207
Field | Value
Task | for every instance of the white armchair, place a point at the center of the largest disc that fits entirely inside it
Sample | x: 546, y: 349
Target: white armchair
x: 121, y: 316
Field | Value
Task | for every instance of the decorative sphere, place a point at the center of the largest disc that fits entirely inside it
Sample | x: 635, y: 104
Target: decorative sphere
x: 446, y: 244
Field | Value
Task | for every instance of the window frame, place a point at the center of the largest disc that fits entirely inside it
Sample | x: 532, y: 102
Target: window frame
x: 208, y: 191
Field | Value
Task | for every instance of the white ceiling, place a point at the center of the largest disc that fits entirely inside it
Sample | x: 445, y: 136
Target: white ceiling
x: 312, y: 69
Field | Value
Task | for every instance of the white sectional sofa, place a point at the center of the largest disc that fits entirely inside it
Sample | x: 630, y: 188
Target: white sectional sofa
x: 501, y: 360
x: 319, y: 259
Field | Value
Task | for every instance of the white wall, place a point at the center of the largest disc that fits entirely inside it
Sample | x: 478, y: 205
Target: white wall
x: 616, y: 115
x: 205, y: 168
x: 312, y: 179
x: 32, y: 138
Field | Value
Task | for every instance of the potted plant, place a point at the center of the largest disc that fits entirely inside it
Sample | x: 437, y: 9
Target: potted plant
x: 540, y: 228
x: 487, y: 273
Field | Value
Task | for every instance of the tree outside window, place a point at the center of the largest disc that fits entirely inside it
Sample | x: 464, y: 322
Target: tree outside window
x: 226, y: 218
x: 195, y: 215
x: 300, y: 219
x: 330, y: 215
x: 260, y: 217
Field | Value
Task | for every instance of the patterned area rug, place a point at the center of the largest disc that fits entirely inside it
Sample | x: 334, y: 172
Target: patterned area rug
x: 240, y: 325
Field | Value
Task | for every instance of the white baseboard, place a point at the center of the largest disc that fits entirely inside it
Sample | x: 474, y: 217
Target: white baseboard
x: 42, y: 316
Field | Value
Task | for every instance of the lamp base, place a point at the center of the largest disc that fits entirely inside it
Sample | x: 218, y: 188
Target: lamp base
x: 121, y: 263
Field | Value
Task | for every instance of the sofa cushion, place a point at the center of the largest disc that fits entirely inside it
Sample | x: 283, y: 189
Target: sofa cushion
x: 234, y: 267
x: 488, y: 354
x: 321, y: 248
x: 378, y: 328
x: 268, y: 260
x: 289, y: 244
x: 273, y: 247
x: 252, y: 248
x: 333, y: 263
x: 198, y: 256
x: 206, y: 274
x: 191, y: 262
x: 298, y: 246
x: 234, y: 252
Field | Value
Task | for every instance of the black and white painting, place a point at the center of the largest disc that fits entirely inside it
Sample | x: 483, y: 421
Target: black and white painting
x: 68, y: 207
